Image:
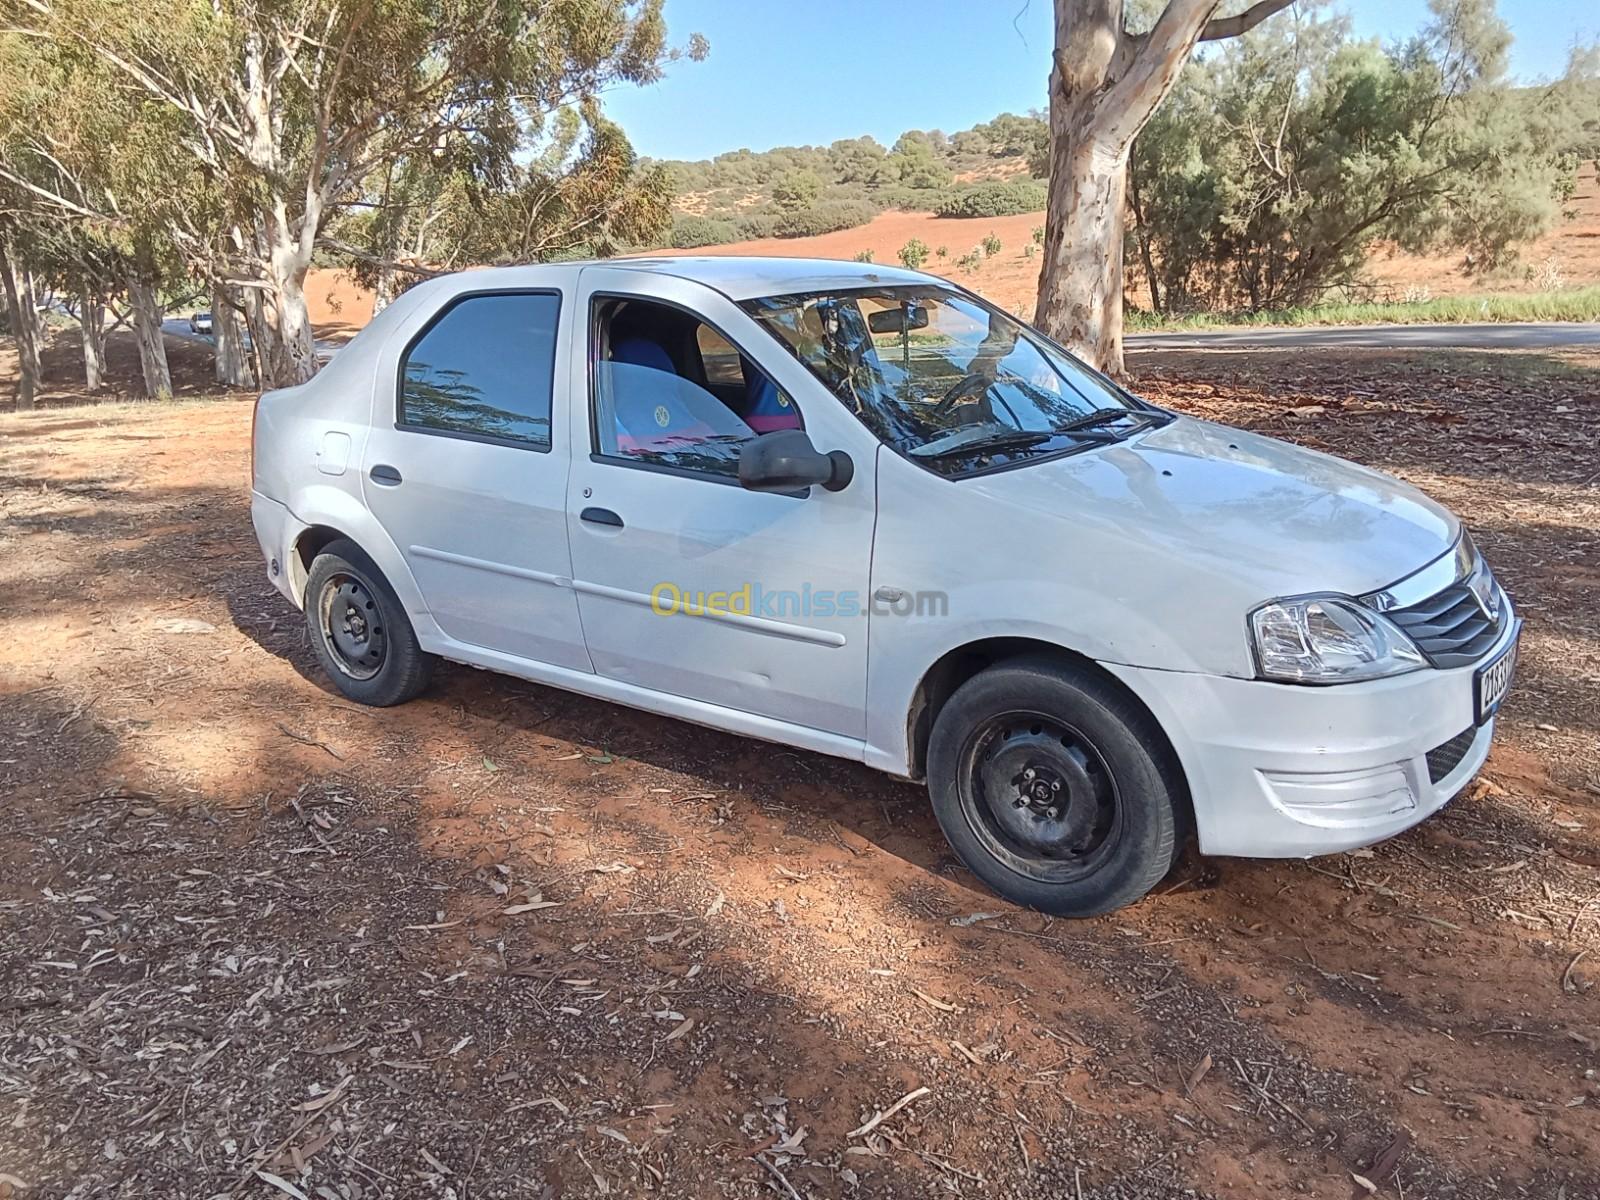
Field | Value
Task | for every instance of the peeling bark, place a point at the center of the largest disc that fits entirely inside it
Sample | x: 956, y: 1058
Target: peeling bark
x: 1104, y: 86
x: 227, y: 337
x: 92, y: 331
x: 147, y: 315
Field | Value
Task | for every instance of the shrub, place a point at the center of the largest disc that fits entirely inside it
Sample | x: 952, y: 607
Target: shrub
x: 995, y: 199
x: 762, y: 225
x: 796, y: 191
x: 942, y: 252
x: 1038, y: 235
x: 914, y: 253
x: 1028, y: 250
x: 913, y: 199
x: 827, y: 217
x: 991, y: 246
x: 969, y: 262
x: 692, y: 232
x: 863, y: 256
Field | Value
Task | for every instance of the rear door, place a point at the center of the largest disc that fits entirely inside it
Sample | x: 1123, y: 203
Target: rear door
x: 465, y: 470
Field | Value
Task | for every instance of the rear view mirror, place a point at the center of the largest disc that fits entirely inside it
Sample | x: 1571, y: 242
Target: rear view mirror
x: 898, y: 320
x: 786, y: 461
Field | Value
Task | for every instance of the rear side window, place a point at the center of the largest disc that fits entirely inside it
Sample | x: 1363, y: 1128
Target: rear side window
x: 484, y: 369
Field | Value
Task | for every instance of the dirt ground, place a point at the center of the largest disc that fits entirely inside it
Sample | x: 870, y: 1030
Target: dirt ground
x: 258, y: 942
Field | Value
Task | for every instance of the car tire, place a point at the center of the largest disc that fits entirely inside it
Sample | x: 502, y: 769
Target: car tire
x: 359, y: 629
x: 1055, y: 787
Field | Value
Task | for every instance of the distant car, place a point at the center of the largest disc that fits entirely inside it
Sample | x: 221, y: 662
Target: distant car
x: 858, y: 510
x: 200, y: 323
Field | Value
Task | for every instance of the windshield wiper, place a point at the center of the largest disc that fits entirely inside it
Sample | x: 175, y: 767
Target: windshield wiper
x: 1102, y: 416
x: 1016, y: 440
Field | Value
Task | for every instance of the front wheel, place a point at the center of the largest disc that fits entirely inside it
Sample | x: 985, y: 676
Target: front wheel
x: 359, y: 629
x: 1054, y: 787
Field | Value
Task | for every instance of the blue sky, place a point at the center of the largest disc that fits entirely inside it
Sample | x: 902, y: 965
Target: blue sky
x: 784, y: 73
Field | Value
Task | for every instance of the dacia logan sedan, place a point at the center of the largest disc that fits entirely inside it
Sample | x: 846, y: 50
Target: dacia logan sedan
x: 860, y: 511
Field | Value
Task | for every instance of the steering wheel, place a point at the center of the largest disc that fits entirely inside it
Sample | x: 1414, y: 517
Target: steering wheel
x: 974, y: 384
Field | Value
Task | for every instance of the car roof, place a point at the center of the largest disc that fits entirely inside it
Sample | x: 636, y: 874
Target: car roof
x: 741, y: 277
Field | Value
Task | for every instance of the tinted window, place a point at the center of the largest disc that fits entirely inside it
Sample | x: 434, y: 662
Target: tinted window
x: 485, y: 368
x: 648, y: 409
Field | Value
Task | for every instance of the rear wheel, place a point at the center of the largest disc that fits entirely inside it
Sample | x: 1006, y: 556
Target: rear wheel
x: 359, y: 629
x: 1054, y: 788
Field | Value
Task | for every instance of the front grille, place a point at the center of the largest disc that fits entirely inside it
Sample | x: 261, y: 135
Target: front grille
x: 1446, y: 758
x: 1450, y: 627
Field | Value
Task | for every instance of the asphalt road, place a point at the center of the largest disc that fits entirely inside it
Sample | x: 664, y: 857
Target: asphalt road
x: 1486, y: 336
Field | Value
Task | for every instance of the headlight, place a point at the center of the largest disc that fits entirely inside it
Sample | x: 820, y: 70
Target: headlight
x: 1328, y: 639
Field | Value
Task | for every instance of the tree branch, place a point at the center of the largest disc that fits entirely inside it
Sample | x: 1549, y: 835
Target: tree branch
x: 1226, y: 27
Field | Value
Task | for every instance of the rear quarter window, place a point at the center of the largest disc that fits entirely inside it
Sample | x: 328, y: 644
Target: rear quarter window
x: 484, y: 368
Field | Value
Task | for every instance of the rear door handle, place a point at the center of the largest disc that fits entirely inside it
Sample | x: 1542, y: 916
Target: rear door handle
x: 601, y: 516
x: 385, y: 474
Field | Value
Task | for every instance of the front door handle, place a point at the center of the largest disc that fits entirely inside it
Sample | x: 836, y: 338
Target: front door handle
x: 385, y: 474
x: 601, y: 516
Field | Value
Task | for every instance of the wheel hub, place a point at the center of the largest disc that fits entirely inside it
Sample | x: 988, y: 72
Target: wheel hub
x: 1043, y: 792
x: 350, y: 622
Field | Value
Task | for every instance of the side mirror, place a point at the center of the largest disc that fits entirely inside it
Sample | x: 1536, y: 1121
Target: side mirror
x: 786, y: 461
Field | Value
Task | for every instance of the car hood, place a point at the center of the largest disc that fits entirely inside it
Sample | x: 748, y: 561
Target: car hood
x: 1269, y: 518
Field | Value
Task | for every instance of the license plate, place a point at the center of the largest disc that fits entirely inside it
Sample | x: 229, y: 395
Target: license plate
x: 1493, y: 680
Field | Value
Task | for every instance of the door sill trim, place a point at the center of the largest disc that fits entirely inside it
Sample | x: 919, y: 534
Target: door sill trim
x: 698, y: 712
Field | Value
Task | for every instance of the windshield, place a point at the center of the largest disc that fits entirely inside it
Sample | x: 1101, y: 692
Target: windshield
x: 947, y: 380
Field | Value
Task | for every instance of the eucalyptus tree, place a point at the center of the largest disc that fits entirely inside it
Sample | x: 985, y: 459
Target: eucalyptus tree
x: 283, y: 110
x: 576, y: 188
x: 1106, y: 81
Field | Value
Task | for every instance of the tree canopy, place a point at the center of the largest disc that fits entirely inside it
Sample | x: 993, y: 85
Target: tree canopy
x: 1278, y: 159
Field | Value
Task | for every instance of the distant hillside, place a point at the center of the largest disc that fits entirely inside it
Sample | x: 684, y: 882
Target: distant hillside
x: 990, y: 170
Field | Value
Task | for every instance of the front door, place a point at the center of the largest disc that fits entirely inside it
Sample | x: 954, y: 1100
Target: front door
x: 688, y: 584
x: 465, y: 477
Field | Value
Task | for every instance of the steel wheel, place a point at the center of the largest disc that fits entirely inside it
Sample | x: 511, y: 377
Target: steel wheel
x: 352, y: 626
x: 1039, y: 796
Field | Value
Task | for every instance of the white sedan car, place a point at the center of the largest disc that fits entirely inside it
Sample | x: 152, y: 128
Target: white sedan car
x: 858, y: 510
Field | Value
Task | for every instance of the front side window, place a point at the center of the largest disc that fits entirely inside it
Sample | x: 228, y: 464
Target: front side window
x: 485, y: 369
x: 947, y: 380
x: 671, y: 391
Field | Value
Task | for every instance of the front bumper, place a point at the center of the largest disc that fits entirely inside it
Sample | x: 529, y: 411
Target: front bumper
x: 1280, y: 771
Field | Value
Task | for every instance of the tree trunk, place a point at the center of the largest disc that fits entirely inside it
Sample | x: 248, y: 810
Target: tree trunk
x: 383, y: 291
x: 147, y: 316
x: 1080, y: 293
x: 36, y: 298
x: 285, y: 351
x: 1104, y: 85
x: 254, y: 324
x: 1141, y: 231
x: 21, y: 322
x: 92, y: 327
x: 227, y: 337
